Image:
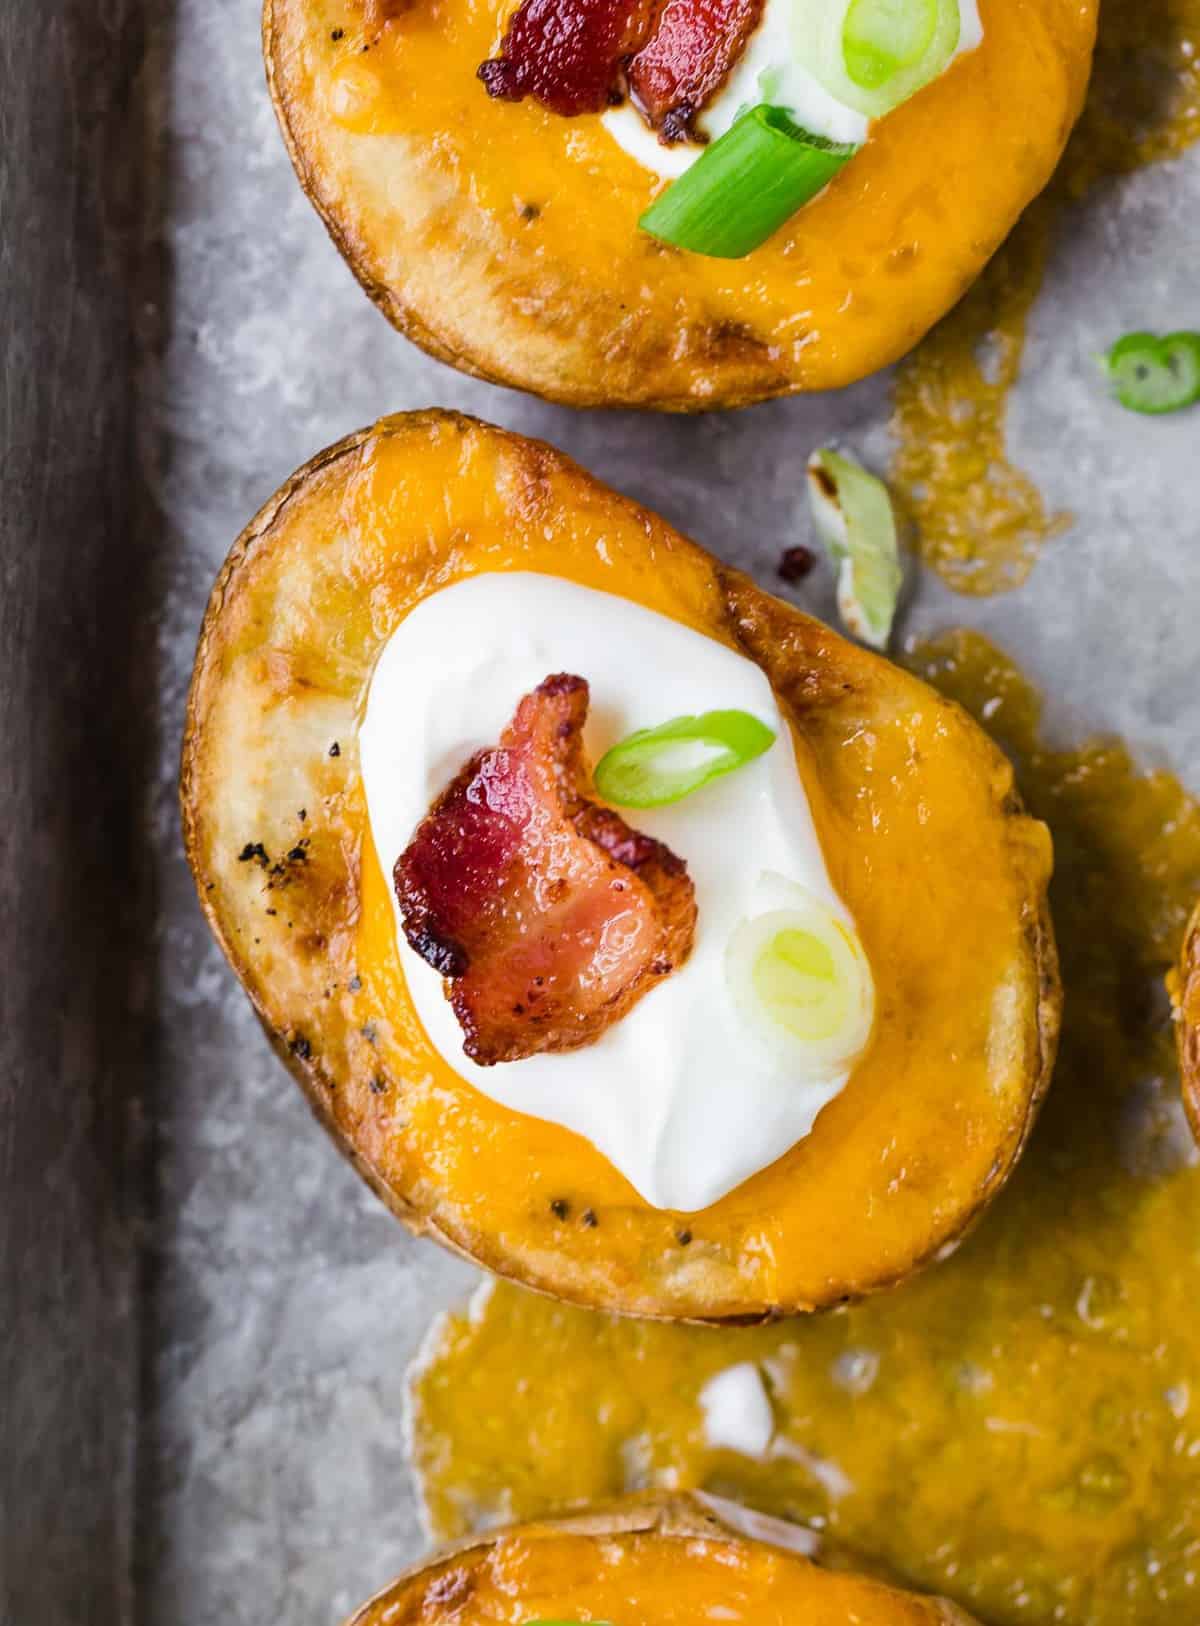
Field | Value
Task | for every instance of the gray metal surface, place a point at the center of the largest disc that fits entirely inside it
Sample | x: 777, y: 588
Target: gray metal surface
x: 279, y: 1304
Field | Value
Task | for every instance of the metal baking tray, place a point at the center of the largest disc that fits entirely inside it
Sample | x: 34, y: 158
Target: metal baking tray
x: 204, y: 1317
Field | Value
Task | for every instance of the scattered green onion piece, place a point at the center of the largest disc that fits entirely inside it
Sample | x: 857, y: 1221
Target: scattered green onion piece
x: 874, y: 54
x: 800, y: 978
x: 745, y: 185
x: 1154, y: 375
x: 855, y: 520
x: 657, y: 766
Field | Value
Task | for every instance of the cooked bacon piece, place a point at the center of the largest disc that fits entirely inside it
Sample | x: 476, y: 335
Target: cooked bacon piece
x: 693, y: 51
x: 569, y: 55
x: 573, y: 56
x: 547, y: 915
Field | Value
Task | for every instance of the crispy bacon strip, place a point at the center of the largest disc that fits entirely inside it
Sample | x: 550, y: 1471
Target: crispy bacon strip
x: 569, y: 55
x: 691, y: 55
x: 576, y: 56
x: 547, y: 915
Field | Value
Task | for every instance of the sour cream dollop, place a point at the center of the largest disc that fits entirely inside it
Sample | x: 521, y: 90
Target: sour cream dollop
x: 768, y: 60
x: 677, y: 1095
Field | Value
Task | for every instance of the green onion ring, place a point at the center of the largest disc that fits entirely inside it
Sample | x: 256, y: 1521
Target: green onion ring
x: 881, y: 37
x: 873, y: 55
x: 1153, y: 375
x: 658, y: 766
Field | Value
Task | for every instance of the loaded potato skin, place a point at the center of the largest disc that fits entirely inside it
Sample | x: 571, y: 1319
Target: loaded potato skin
x: 652, y: 1560
x: 504, y: 238
x: 920, y: 825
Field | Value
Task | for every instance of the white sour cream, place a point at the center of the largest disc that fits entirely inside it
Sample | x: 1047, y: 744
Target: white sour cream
x: 676, y: 1095
x: 737, y: 1411
x: 770, y: 52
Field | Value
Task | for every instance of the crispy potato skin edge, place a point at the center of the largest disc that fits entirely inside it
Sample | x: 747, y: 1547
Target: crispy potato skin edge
x: 402, y: 317
x: 308, y: 1074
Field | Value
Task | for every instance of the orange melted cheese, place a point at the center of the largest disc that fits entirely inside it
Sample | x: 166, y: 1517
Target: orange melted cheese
x: 889, y: 801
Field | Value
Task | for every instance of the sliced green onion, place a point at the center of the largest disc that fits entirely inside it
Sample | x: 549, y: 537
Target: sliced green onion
x: 874, y: 54
x: 800, y: 979
x: 1155, y: 375
x: 745, y: 185
x: 855, y: 520
x: 657, y: 766
x: 882, y: 37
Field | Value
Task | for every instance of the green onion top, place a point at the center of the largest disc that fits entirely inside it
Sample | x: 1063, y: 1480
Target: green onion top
x: 1154, y: 375
x: 657, y: 766
x: 853, y: 515
x: 745, y: 185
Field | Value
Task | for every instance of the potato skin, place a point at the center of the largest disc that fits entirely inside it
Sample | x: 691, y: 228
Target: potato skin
x: 685, y: 1517
x: 270, y: 739
x: 571, y: 301
x: 1187, y: 1020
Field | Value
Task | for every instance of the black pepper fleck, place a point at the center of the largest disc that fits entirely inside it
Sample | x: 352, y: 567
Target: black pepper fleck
x: 281, y: 870
x: 256, y: 851
x: 369, y: 1032
x: 301, y: 1047
x: 378, y: 1085
x: 338, y: 33
x: 683, y: 1237
x: 589, y: 1218
x: 560, y: 1207
x: 302, y: 815
x: 355, y: 984
x: 796, y: 563
x: 335, y: 749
